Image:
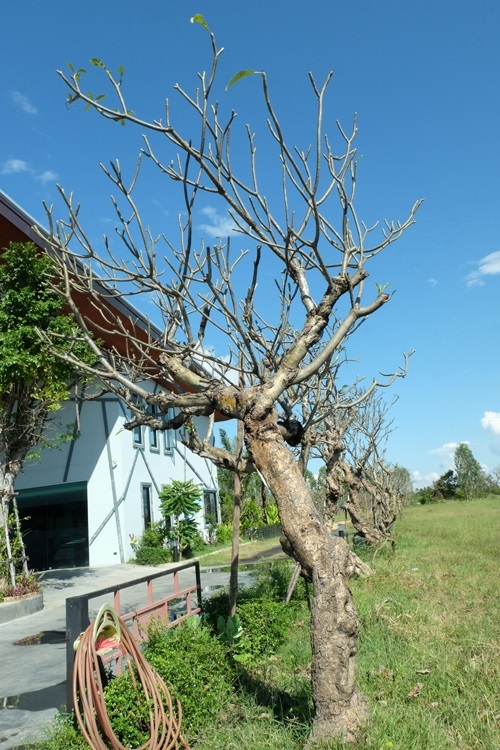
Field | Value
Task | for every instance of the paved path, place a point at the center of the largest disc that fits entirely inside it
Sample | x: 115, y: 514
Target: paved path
x: 33, y: 677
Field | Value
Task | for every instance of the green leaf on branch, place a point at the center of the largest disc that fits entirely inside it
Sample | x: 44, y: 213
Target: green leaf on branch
x: 96, y: 62
x: 121, y: 70
x: 198, y: 18
x: 381, y: 287
x: 239, y: 76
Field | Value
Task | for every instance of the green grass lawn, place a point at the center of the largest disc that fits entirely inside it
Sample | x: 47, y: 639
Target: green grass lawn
x: 248, y: 551
x: 428, y: 650
x: 429, y: 639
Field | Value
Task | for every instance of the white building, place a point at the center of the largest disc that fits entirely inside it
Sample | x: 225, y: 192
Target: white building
x: 84, y: 498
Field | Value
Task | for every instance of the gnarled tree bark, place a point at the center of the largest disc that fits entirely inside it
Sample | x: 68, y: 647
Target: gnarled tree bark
x: 340, y: 709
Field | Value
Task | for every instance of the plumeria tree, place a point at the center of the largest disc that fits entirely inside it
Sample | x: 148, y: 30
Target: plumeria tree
x: 228, y: 342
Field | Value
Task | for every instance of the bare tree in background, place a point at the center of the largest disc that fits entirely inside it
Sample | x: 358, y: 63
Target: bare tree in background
x: 348, y: 430
x: 318, y: 251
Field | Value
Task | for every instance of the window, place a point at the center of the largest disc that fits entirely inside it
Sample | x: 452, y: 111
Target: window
x: 146, y: 505
x: 137, y: 431
x: 169, y: 435
x: 154, y: 443
x: 210, y: 504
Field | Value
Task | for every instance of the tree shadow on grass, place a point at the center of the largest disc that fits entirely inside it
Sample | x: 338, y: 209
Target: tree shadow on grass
x: 287, y: 707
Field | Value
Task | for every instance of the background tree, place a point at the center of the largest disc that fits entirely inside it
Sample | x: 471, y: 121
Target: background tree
x: 252, y: 485
x: 348, y: 429
x: 446, y: 485
x: 469, y: 473
x: 317, y: 248
x: 33, y: 382
x: 496, y: 474
x: 402, y: 483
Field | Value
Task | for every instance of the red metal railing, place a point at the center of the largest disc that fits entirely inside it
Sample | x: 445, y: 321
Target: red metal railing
x: 172, y: 609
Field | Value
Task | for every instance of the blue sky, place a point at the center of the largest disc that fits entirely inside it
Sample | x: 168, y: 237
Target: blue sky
x: 424, y: 79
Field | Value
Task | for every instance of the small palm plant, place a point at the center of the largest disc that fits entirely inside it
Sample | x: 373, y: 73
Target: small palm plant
x: 181, y: 500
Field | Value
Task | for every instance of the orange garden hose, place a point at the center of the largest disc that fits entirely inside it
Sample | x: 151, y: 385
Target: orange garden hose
x: 89, y: 701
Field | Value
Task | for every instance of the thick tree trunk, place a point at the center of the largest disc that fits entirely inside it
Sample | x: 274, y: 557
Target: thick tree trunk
x: 340, y: 710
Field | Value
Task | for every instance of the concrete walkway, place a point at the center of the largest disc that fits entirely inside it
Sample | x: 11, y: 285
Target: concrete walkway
x: 33, y: 674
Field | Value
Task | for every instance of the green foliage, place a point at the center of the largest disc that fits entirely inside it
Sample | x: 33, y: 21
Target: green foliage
x: 446, y: 485
x: 182, y: 500
x: 33, y: 381
x: 152, y: 555
x: 251, y: 515
x: 26, y: 304
x: 192, y: 660
x: 16, y: 549
x: 263, y: 619
x: 265, y: 623
x: 128, y: 710
x: 469, y: 474
x: 272, y: 514
x: 151, y: 547
x: 154, y: 535
x: 224, y: 532
x: 251, y: 484
x: 229, y: 629
x: 238, y: 76
x: 198, y: 18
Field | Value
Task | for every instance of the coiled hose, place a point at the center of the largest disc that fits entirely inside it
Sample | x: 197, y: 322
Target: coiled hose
x: 90, y: 704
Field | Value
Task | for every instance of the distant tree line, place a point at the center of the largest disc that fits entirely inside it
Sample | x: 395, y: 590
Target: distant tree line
x: 467, y: 481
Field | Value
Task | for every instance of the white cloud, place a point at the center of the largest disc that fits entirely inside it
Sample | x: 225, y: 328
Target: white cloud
x: 15, y: 166
x: 19, y: 166
x: 446, y: 448
x: 491, y: 421
x: 432, y: 282
x: 219, y: 226
x: 47, y: 176
x: 423, y: 480
x: 446, y: 454
x: 487, y: 266
x: 24, y: 103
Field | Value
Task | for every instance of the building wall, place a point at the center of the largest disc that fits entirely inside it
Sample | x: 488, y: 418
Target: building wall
x: 116, y: 469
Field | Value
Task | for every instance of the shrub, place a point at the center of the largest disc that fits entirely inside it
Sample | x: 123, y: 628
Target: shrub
x: 225, y: 532
x: 197, y: 546
x: 154, y: 535
x: 128, y: 710
x: 152, y: 555
x: 25, y: 584
x: 194, y: 664
x: 265, y: 623
x: 263, y: 616
x: 251, y: 515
